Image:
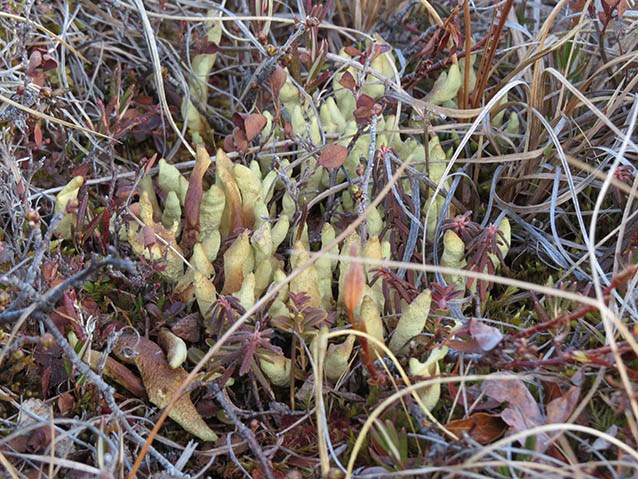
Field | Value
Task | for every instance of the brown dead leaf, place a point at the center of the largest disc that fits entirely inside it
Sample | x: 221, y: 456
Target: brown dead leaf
x: 37, y: 135
x: 353, y: 52
x: 482, y: 427
x: 193, y: 199
x: 254, y: 124
x: 278, y: 79
x: 523, y: 412
x: 561, y: 408
x: 65, y: 403
x: 347, y: 81
x: 187, y: 328
x: 333, y: 156
x: 366, y: 108
x: 486, y: 336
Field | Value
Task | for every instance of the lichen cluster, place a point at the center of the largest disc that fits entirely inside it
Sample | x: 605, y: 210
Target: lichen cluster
x: 243, y: 219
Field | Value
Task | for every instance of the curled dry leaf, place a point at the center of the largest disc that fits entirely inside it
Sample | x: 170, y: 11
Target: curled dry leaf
x: 278, y: 79
x: 253, y: 125
x: 523, y: 412
x: 559, y: 409
x: 193, y: 200
x: 484, y: 428
x: 486, y: 336
x: 366, y: 108
x: 348, y: 82
x: 333, y: 156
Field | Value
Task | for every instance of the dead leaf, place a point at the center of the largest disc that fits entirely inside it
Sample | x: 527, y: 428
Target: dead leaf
x: 193, y: 199
x: 353, y: 52
x: 486, y: 336
x: 187, y: 328
x: 523, y: 412
x: 333, y: 156
x: 348, y: 82
x: 254, y: 124
x: 65, y: 403
x: 561, y: 408
x: 366, y: 108
x: 482, y: 427
x: 278, y: 80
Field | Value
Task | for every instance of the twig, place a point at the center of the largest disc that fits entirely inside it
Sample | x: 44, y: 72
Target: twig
x: 48, y: 301
x: 243, y: 430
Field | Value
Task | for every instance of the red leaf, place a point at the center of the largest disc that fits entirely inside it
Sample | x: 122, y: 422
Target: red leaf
x: 333, y: 156
x: 238, y: 119
x: 240, y: 140
x: 366, y: 107
x: 65, y: 403
x: 353, y: 52
x: 193, y: 199
x: 278, y: 79
x: 378, y: 49
x: 348, y: 81
x: 482, y: 427
x: 486, y: 336
x: 229, y: 144
x: 253, y: 125
x: 37, y: 135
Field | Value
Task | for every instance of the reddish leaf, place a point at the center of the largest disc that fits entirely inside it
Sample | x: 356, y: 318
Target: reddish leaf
x: 229, y: 144
x: 366, y: 107
x: 50, y: 270
x: 106, y: 221
x: 469, y: 346
x: 39, y: 439
x: 240, y: 141
x: 187, y: 328
x: 482, y: 427
x: 148, y: 234
x: 333, y: 156
x: 353, y: 52
x: 35, y: 60
x: 193, y: 199
x: 37, y: 135
x: 486, y: 336
x: 253, y: 125
x: 238, y: 120
x: 348, y: 81
x: 209, y: 48
x: 378, y: 49
x: 65, y: 403
x: 278, y: 79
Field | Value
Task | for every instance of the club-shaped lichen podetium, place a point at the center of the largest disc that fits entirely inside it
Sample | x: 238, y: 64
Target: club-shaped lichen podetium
x: 276, y: 367
x: 68, y: 194
x: 338, y: 358
x: 453, y: 257
x: 412, y: 321
x: 429, y: 394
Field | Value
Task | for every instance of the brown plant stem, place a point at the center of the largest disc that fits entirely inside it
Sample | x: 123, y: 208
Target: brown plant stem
x: 377, y: 377
x: 244, y: 431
